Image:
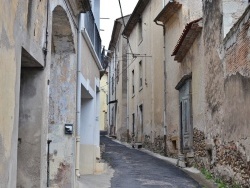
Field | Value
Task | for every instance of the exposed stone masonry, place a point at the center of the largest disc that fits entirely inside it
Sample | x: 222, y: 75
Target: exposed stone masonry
x: 229, y: 162
x: 157, y: 146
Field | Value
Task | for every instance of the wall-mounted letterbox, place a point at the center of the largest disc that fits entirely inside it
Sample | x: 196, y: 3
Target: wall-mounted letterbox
x: 68, y: 128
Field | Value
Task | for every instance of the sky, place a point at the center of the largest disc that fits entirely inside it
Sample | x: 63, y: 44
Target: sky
x: 111, y: 9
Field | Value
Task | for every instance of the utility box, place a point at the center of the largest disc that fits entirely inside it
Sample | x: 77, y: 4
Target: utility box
x: 68, y: 128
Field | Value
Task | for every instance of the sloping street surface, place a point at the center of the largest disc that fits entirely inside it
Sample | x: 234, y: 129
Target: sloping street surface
x: 134, y: 169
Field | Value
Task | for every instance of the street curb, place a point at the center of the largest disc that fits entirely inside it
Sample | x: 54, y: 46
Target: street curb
x: 192, y: 172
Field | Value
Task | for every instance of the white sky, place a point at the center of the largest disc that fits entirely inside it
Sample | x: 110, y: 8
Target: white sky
x: 110, y: 9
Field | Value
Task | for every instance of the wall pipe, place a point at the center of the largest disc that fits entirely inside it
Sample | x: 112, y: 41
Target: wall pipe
x: 165, y: 91
x: 48, y: 163
x: 115, y: 68
x: 127, y: 100
x: 45, y: 48
x: 78, y: 97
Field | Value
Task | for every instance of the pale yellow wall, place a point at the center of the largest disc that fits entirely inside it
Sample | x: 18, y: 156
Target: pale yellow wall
x: 151, y: 94
x: 175, y: 71
x: 103, y: 102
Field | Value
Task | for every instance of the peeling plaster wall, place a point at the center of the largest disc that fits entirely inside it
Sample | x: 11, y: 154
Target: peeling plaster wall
x: 232, y: 10
x: 62, y: 96
x: 15, y: 33
x: 22, y: 26
x: 192, y: 63
x: 222, y: 145
x: 62, y: 111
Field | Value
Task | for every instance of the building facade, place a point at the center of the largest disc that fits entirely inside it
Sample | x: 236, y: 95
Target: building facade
x: 187, y: 83
x: 200, y: 66
x: 44, y: 81
x: 117, y: 54
x: 145, y: 72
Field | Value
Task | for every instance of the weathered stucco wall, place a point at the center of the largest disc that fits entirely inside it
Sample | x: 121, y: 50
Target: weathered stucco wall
x: 29, y: 130
x: 62, y: 97
x: 23, y: 37
x: 150, y: 95
x: 232, y: 10
x: 223, y: 144
x: 103, y: 102
x: 190, y: 11
x: 89, y: 68
x: 120, y: 81
x: 21, y: 26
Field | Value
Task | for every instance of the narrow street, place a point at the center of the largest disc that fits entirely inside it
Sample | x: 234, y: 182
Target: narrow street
x: 135, y: 169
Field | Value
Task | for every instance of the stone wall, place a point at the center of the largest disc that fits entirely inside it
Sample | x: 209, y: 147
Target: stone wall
x: 225, y: 160
x: 156, y: 144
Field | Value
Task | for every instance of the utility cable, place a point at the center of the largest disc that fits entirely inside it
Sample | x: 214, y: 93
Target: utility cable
x: 124, y: 25
x: 120, y: 73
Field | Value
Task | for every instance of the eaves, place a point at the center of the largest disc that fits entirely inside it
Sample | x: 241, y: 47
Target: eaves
x: 187, y: 38
x: 135, y: 17
x: 168, y: 11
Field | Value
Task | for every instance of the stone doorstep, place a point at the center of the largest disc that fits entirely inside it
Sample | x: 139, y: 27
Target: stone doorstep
x: 100, y: 167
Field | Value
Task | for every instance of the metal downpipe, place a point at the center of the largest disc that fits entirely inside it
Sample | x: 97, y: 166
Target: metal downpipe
x: 164, y: 93
x: 78, y: 99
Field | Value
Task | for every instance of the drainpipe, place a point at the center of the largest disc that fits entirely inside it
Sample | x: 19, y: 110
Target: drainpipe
x: 48, y: 164
x: 165, y: 91
x: 45, y: 48
x: 78, y: 97
x: 114, y: 62
x: 127, y: 100
x: 109, y: 128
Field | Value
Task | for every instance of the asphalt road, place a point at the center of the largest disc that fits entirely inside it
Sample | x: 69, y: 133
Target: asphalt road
x: 135, y: 169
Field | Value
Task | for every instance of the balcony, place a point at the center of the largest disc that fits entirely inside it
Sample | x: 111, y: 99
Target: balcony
x: 93, y: 32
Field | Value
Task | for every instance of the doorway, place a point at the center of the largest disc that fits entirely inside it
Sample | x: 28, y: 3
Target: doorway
x: 30, y: 122
x: 141, y: 122
x: 186, y: 128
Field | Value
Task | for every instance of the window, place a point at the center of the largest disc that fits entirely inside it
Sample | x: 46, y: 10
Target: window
x: 140, y: 74
x: 141, y: 117
x: 133, y: 124
x: 133, y: 81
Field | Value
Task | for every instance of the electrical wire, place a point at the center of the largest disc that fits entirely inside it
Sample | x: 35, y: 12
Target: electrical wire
x: 120, y: 73
x: 124, y: 25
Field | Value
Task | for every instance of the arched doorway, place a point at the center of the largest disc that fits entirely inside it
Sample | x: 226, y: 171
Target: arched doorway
x: 62, y: 99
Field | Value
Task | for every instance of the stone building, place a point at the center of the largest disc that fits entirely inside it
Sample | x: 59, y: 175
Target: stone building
x: 117, y: 54
x: 145, y: 72
x: 187, y: 85
x: 49, y: 76
x: 206, y: 74
x: 181, y: 22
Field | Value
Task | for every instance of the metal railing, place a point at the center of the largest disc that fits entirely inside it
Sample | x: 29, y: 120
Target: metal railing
x: 93, y: 32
